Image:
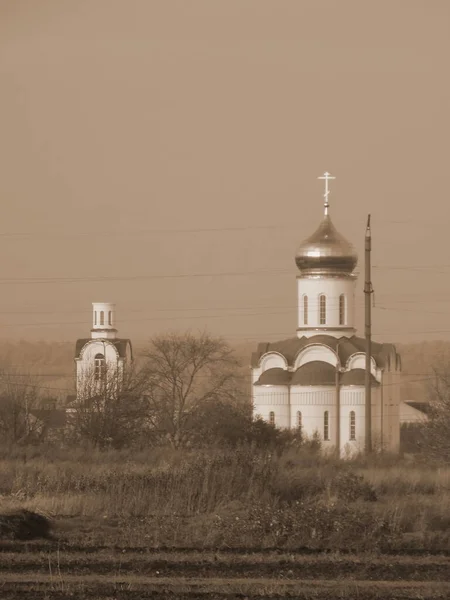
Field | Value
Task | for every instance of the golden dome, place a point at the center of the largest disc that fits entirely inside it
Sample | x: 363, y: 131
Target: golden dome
x: 326, y: 252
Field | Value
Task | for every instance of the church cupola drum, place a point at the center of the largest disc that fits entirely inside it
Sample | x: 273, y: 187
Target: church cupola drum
x: 326, y: 261
x: 103, y: 320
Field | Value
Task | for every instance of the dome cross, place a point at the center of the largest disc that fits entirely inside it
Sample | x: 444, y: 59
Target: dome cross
x: 326, y: 176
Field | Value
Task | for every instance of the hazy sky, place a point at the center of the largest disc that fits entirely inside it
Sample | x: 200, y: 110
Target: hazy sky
x: 150, y: 138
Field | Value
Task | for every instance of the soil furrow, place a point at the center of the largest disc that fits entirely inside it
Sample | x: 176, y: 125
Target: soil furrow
x: 288, y: 570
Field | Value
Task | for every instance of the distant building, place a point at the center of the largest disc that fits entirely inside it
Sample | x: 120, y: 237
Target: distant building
x: 101, y: 359
x: 316, y: 380
x: 414, y: 412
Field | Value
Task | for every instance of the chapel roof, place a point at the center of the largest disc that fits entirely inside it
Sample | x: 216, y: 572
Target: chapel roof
x: 120, y: 344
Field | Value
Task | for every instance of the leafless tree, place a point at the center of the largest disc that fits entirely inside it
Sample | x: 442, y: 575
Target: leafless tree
x: 183, y: 373
x: 19, y: 394
x: 109, y: 408
x: 435, y: 437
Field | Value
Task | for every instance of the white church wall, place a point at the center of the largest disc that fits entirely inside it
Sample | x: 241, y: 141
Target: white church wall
x: 313, y: 402
x: 352, y: 399
x: 274, y: 398
x: 332, y: 288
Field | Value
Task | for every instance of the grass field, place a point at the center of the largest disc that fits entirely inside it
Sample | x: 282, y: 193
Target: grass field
x: 226, y: 524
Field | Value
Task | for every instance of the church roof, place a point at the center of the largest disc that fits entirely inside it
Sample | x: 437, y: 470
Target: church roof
x: 316, y: 372
x: 120, y: 344
x: 276, y: 376
x: 289, y: 348
x: 356, y: 377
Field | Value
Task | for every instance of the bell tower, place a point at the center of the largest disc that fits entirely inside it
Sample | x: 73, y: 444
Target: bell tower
x: 103, y: 321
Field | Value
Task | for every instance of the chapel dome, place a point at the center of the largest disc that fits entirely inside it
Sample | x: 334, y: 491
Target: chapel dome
x: 326, y: 251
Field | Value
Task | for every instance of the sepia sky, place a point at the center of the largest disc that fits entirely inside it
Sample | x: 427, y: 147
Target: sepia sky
x: 164, y: 155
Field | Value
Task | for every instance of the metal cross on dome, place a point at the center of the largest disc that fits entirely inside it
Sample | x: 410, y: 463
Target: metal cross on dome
x: 326, y: 176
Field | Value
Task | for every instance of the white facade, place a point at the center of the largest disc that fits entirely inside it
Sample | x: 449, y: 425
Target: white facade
x: 316, y: 381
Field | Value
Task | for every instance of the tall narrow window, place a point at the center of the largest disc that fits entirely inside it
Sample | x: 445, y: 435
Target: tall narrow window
x: 342, y: 309
x: 305, y: 310
x: 272, y: 418
x: 99, y: 367
x: 102, y: 318
x: 352, y: 425
x: 95, y: 318
x: 110, y: 318
x: 326, y: 426
x: 322, y: 309
x: 299, y: 420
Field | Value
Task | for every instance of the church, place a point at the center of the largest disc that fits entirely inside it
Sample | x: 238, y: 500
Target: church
x: 315, y: 381
x: 101, y: 359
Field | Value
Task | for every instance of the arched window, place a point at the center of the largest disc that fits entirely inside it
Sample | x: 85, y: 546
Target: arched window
x: 99, y: 367
x: 352, y: 425
x: 342, y: 309
x: 95, y: 318
x: 299, y: 420
x: 326, y: 426
x: 322, y: 309
x: 110, y: 318
x: 272, y: 418
x: 305, y: 310
x: 102, y: 318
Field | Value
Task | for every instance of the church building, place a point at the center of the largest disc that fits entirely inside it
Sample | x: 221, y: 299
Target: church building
x: 315, y: 381
x: 101, y: 359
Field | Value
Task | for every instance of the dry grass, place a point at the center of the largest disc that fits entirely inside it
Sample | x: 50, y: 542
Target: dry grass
x: 243, y: 497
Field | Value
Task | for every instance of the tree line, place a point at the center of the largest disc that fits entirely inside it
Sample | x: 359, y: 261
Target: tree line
x: 184, y: 390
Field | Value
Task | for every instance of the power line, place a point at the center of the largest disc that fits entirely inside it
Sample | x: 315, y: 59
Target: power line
x: 121, y: 232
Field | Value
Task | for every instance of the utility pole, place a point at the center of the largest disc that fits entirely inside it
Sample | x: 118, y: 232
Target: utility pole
x: 338, y: 402
x: 368, y: 334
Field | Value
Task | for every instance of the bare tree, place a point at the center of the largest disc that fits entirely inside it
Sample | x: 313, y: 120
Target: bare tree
x: 19, y: 394
x: 183, y: 373
x: 435, y: 435
x: 109, y: 409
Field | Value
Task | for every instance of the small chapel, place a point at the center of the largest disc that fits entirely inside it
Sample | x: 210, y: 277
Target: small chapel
x: 101, y: 359
x: 315, y: 381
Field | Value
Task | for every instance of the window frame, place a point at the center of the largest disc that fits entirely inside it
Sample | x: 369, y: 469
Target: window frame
x: 99, y: 367
x: 342, y: 309
x: 272, y: 418
x: 352, y: 426
x: 326, y: 426
x: 305, y: 309
x: 322, y: 309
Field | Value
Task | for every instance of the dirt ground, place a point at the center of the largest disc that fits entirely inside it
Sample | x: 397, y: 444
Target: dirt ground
x: 69, y: 568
